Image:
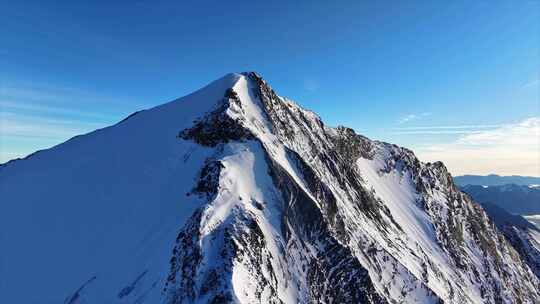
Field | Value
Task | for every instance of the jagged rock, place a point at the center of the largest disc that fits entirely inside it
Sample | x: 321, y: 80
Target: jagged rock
x: 280, y: 208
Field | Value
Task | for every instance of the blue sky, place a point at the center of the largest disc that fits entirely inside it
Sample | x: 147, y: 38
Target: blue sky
x: 453, y: 80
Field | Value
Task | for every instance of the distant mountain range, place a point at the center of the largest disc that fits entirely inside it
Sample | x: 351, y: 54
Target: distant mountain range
x: 496, y: 180
x: 502, y: 218
x: 516, y: 199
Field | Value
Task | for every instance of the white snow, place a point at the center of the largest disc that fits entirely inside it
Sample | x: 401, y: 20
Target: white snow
x: 398, y: 194
x: 536, y: 237
x: 97, y: 216
x: 243, y: 180
x: 534, y: 219
x: 105, y: 204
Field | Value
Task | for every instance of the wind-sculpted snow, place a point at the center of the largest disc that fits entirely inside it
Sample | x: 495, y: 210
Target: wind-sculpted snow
x: 236, y: 195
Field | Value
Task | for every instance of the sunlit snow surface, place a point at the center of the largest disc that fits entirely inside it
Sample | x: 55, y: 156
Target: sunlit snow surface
x: 106, y: 204
x: 94, y: 220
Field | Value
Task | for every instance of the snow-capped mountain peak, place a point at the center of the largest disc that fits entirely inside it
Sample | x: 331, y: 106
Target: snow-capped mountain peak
x: 234, y: 194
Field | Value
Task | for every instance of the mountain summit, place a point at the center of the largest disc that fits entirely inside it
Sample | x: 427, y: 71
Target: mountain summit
x: 234, y: 194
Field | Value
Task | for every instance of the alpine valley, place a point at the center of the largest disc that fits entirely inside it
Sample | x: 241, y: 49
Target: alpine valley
x: 234, y: 194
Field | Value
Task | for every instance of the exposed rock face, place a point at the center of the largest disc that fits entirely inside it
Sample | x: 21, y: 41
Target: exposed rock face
x: 280, y: 208
x: 522, y: 235
x: 526, y: 244
x: 218, y: 127
x: 335, y: 238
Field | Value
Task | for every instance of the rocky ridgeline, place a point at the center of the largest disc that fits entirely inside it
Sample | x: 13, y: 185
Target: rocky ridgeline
x: 338, y: 240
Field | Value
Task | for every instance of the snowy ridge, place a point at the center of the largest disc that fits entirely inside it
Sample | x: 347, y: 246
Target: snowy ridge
x: 234, y: 194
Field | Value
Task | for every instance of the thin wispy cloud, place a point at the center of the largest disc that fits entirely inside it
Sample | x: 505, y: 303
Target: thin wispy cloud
x: 533, y: 83
x: 60, y: 96
x: 22, y: 130
x: 508, y: 149
x: 524, y: 133
x: 412, y: 117
x: 435, y: 130
x: 450, y: 127
x: 45, y: 109
x: 18, y: 125
x: 27, y: 93
x: 5, y: 116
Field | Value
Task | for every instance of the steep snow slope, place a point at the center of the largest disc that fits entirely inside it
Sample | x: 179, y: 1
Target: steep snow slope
x: 234, y: 194
x: 107, y: 204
